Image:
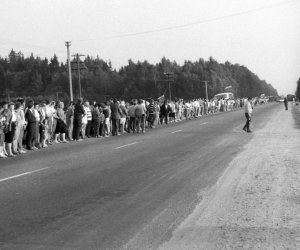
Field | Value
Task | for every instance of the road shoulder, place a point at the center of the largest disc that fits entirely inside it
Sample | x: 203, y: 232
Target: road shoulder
x: 256, y: 202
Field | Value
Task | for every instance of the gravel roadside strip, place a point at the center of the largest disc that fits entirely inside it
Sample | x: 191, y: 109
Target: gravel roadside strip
x: 256, y: 202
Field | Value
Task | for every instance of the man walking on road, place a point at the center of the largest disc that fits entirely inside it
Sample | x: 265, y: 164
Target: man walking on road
x: 285, y: 103
x: 248, y: 114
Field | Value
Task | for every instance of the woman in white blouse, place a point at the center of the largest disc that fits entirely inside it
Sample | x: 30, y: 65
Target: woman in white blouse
x: 10, y: 128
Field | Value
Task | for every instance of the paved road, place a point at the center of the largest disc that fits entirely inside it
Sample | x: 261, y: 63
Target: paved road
x: 127, y: 192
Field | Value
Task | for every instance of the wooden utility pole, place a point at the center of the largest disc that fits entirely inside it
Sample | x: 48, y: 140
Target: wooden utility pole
x: 206, y: 90
x: 68, y: 44
x: 77, y: 56
x: 170, y: 78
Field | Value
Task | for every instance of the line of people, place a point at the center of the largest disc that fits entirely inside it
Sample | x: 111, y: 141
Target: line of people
x: 31, y: 126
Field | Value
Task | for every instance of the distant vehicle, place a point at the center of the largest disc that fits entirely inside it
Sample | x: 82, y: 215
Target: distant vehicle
x: 280, y: 100
x: 226, y: 96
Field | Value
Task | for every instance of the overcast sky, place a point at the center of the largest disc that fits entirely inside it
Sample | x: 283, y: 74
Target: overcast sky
x: 263, y: 35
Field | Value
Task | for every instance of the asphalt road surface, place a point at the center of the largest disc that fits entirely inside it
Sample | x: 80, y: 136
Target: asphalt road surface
x: 126, y: 192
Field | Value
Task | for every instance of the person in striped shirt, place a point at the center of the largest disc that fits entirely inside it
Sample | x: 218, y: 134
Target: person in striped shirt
x: 151, y: 114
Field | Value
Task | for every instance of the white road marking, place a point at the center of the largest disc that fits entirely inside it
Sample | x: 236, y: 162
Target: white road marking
x: 203, y: 123
x: 176, y: 131
x: 19, y: 175
x: 127, y: 145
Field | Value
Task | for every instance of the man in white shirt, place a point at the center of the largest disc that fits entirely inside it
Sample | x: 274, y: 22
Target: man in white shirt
x: 37, y: 132
x: 248, y: 114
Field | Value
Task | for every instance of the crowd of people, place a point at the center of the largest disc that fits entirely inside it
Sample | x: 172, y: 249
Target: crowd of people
x: 32, y: 126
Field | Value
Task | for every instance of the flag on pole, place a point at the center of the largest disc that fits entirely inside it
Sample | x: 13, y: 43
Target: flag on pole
x: 161, y: 98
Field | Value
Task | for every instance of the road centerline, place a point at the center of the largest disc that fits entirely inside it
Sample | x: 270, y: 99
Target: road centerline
x: 127, y: 145
x: 20, y: 175
x: 176, y: 131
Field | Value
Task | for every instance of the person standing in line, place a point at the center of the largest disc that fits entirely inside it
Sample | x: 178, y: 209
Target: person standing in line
x: 156, y: 114
x: 101, y: 120
x: 60, y: 130
x: 107, y: 115
x: 248, y: 114
x: 69, y: 120
x: 132, y: 119
x: 88, y: 128
x: 96, y: 121
x: 23, y: 124
x: 78, y: 114
x: 43, y: 127
x: 187, y: 110
x: 52, y: 127
x: 140, y: 113
x: 2, y: 135
x: 31, y: 125
x: 205, y: 107
x: 151, y: 113
x: 19, y: 124
x: 164, y: 112
x: 11, y: 120
x: 115, y: 116
x: 48, y: 121
x: 285, y: 103
x: 37, y: 125
x: 201, y: 104
x: 124, y: 115
x: 172, y: 113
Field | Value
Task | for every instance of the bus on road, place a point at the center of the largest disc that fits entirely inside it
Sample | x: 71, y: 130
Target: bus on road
x: 226, y: 96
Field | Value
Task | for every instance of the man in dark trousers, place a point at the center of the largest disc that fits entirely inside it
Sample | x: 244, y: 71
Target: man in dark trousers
x: 165, y: 110
x: 248, y: 114
x: 31, y: 126
x: 78, y: 114
x: 285, y: 103
x: 115, y: 116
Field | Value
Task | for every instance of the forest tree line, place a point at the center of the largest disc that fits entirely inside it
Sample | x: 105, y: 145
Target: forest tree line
x: 38, y: 78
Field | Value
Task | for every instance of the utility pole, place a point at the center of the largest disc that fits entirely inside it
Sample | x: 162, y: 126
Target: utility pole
x: 68, y: 44
x: 206, y: 90
x: 170, y: 79
x: 77, y: 56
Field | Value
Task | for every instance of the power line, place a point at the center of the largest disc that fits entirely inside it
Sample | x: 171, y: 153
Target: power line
x: 190, y: 24
x: 8, y: 42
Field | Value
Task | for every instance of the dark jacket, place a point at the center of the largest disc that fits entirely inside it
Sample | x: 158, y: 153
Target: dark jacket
x: 78, y: 110
x: 165, y: 111
x: 115, y: 111
x: 29, y: 116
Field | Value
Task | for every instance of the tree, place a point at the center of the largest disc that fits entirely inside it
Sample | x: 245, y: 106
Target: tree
x: 298, y: 90
x: 34, y: 76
